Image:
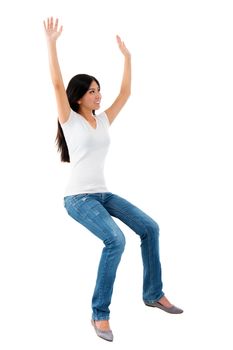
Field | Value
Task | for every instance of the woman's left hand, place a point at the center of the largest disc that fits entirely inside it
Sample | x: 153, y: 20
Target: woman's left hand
x: 122, y: 47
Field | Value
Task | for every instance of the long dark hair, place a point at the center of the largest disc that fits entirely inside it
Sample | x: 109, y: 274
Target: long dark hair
x: 76, y: 88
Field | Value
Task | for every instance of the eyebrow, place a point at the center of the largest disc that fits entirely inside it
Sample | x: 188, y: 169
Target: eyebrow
x: 90, y: 89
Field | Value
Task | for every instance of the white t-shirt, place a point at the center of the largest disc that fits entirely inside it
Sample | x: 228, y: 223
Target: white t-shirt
x: 87, y: 149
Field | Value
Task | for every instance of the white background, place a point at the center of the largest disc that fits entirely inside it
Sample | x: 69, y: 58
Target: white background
x: 171, y: 155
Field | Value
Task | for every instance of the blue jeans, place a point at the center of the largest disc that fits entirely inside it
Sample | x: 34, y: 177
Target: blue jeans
x: 95, y: 211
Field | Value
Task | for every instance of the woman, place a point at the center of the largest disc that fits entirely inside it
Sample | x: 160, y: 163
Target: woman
x: 83, y: 140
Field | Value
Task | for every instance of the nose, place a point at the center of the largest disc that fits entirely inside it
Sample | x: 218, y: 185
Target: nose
x: 98, y: 95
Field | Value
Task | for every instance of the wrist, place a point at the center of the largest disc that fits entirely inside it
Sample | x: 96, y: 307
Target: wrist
x: 51, y: 42
x: 128, y: 56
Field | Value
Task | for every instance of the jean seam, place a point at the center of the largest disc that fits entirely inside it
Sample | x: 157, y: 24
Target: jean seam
x: 147, y: 232
x: 100, y: 294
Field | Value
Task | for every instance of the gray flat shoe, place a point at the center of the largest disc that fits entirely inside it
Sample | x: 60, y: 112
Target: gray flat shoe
x: 171, y: 310
x: 106, y: 335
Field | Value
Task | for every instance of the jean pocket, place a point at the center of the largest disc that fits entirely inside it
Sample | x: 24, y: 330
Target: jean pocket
x: 73, y: 201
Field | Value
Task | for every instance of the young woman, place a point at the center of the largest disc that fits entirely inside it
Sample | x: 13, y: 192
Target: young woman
x: 83, y: 140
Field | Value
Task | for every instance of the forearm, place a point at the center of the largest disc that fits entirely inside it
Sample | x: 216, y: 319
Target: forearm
x: 126, y: 79
x: 54, y: 66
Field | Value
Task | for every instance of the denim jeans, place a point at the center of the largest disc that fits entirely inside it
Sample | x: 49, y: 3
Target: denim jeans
x: 95, y: 212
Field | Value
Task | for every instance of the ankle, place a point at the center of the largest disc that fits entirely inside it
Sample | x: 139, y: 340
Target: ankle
x: 165, y: 302
x: 103, y: 325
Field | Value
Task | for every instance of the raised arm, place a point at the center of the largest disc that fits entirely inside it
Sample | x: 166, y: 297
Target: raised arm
x: 125, y: 88
x: 52, y: 34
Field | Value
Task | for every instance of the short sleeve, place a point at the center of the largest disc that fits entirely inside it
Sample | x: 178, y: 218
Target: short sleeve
x: 104, y: 118
x: 69, y: 120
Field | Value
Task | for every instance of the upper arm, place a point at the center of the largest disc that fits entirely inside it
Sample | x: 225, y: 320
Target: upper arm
x: 116, y: 107
x: 63, y: 105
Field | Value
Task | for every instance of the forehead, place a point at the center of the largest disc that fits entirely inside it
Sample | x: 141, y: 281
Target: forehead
x: 93, y: 85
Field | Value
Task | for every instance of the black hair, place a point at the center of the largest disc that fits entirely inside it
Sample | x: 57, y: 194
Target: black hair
x: 77, y: 87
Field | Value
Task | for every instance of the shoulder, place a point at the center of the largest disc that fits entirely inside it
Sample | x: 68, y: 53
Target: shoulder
x: 73, y: 118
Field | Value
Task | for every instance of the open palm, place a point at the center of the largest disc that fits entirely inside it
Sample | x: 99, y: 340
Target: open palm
x: 51, y: 29
x: 122, y: 46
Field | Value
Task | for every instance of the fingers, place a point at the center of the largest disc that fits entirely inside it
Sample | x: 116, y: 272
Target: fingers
x: 118, y: 39
x: 120, y: 42
x: 122, y: 46
x: 47, y: 24
x: 51, y: 26
x: 56, y: 24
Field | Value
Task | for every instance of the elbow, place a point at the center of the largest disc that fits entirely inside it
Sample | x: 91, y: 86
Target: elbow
x: 57, y: 85
x: 126, y: 93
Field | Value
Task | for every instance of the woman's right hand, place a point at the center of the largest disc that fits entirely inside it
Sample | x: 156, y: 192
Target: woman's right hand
x: 51, y: 29
x: 52, y: 33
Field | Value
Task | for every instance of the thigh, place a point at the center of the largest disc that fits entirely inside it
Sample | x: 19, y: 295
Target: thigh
x: 131, y: 215
x: 91, y: 213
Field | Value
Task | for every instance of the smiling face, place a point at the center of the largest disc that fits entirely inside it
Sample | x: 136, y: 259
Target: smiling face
x: 91, y: 99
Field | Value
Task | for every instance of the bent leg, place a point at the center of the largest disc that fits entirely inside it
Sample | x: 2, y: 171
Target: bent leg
x: 89, y: 212
x: 148, y: 230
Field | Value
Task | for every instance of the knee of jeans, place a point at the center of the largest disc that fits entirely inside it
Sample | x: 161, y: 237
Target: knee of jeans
x: 117, y: 241
x: 153, y: 229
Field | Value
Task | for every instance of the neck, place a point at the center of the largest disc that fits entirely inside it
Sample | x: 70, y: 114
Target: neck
x: 87, y: 114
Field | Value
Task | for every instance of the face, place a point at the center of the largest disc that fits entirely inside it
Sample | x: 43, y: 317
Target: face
x: 91, y: 99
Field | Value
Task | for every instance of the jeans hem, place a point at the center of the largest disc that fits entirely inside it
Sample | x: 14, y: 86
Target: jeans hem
x: 154, y: 300
x: 103, y: 318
